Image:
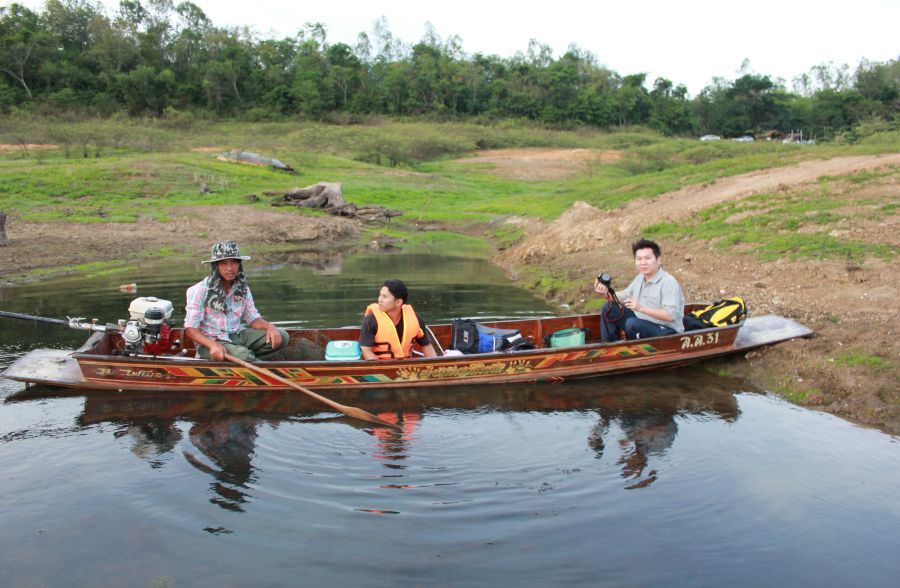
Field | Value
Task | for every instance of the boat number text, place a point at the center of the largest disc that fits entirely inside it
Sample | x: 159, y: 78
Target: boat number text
x: 693, y: 342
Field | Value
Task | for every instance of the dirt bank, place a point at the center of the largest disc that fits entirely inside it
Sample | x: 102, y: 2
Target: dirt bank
x: 192, y: 230
x: 850, y: 368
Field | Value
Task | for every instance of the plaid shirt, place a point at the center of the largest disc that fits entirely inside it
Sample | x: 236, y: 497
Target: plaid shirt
x: 215, y: 324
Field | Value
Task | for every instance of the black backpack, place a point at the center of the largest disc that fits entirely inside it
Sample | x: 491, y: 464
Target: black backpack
x: 468, y: 336
x: 464, y: 335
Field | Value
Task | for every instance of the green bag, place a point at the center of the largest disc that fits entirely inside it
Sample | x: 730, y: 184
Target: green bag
x: 566, y: 338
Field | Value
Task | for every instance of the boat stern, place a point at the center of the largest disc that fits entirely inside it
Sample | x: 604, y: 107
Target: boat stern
x: 53, y: 367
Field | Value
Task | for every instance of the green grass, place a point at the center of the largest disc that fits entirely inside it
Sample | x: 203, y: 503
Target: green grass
x: 861, y: 178
x: 536, y: 278
x: 507, y: 235
x: 795, y: 394
x: 593, y: 305
x: 858, y: 359
x: 141, y: 168
x: 444, y: 242
x: 791, y: 224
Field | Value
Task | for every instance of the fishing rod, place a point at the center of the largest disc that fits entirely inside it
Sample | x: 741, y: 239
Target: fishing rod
x: 147, y: 333
x: 71, y: 322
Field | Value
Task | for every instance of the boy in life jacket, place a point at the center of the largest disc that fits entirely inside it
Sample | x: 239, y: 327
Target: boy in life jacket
x: 390, y: 326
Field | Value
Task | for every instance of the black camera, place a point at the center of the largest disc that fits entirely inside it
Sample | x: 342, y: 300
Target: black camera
x: 606, y: 279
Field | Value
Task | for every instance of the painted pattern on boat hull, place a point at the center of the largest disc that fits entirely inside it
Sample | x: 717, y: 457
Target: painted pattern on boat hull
x: 98, y: 368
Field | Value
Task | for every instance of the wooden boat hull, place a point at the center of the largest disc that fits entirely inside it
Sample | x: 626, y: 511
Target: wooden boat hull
x: 96, y: 367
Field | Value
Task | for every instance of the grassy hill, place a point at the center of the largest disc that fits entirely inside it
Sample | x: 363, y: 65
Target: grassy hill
x: 120, y: 169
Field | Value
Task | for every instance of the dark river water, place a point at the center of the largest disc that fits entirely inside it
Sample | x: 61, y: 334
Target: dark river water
x: 675, y: 478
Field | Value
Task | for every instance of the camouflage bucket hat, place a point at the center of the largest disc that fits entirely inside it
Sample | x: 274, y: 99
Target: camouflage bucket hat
x: 226, y: 250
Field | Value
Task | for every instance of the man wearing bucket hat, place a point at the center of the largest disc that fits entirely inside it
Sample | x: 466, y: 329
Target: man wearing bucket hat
x: 217, y: 305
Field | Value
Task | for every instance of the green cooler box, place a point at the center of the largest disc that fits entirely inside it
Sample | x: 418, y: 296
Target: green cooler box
x: 342, y: 351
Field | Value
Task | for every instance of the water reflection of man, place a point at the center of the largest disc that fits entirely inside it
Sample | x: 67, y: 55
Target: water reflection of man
x: 646, y: 434
x: 151, y: 438
x: 229, y: 443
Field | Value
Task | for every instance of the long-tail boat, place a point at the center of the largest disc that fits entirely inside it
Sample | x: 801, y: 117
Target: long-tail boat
x: 104, y: 362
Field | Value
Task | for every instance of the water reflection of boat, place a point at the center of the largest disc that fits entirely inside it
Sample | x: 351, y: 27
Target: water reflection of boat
x: 100, y: 363
x: 636, y: 420
x: 698, y: 392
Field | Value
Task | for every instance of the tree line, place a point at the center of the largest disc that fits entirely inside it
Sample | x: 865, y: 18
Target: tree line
x: 153, y: 57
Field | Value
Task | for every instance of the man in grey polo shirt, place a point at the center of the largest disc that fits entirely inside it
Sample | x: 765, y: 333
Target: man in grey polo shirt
x: 651, y: 306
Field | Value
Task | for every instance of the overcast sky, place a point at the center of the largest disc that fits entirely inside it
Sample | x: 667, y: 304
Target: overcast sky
x: 684, y: 41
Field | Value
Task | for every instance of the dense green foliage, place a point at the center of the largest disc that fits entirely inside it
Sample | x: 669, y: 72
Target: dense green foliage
x: 153, y: 57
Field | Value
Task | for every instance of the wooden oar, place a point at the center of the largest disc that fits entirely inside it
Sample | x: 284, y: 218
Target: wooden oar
x: 350, y: 411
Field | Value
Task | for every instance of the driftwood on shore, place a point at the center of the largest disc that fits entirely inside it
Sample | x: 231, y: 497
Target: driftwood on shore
x: 3, y: 239
x: 321, y: 195
x: 253, y: 159
x: 330, y: 196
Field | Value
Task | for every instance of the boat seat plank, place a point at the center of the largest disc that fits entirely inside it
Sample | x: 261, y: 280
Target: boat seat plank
x: 767, y: 329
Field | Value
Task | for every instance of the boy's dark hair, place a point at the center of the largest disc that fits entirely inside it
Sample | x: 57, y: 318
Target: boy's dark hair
x: 397, y: 289
x: 645, y: 244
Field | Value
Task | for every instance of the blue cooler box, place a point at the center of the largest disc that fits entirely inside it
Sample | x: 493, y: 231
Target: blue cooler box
x: 342, y: 351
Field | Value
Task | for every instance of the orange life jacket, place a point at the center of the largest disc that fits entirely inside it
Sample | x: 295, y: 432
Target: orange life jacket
x: 387, y: 344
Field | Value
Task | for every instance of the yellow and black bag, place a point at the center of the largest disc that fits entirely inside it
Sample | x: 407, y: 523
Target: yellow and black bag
x: 729, y: 311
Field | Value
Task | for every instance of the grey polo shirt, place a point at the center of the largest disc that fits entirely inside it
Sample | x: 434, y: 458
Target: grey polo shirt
x: 661, y: 291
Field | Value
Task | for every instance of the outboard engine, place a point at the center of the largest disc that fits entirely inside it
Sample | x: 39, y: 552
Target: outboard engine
x: 147, y: 330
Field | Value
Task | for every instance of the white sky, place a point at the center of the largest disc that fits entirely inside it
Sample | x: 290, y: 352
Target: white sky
x: 688, y: 42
